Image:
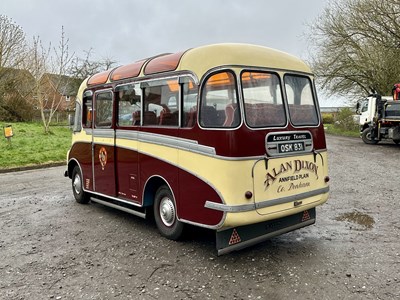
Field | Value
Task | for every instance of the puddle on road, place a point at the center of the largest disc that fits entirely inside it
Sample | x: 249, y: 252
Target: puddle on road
x: 358, y: 218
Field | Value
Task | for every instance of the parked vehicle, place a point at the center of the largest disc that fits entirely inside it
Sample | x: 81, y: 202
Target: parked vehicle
x: 227, y: 137
x: 379, y: 119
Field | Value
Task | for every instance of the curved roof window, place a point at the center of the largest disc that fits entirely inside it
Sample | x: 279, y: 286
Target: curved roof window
x: 164, y: 63
x: 127, y: 71
x: 99, y: 78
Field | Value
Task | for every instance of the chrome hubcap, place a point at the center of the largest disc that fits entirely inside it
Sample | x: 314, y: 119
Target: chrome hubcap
x: 167, y: 211
x: 77, y: 184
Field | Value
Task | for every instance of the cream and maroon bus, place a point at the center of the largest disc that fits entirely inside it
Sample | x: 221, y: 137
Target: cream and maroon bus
x: 227, y: 137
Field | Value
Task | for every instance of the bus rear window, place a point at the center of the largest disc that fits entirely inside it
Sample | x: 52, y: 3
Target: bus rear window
x: 262, y: 96
x: 299, y: 94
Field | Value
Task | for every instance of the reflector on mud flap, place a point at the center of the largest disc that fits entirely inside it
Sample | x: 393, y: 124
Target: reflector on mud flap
x: 228, y: 240
x: 235, y: 238
x: 306, y: 216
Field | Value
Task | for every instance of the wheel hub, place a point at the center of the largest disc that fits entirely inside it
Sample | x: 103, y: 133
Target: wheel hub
x: 77, y: 184
x: 167, y: 211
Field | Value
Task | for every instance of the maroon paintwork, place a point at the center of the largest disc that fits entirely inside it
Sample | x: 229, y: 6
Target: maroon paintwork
x: 126, y: 179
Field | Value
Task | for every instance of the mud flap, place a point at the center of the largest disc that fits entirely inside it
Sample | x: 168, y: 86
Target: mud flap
x: 237, y: 238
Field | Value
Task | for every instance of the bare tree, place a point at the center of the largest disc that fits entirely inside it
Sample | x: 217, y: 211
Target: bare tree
x: 356, y: 46
x: 49, y: 68
x: 82, y: 68
x: 13, y: 80
x: 12, y: 43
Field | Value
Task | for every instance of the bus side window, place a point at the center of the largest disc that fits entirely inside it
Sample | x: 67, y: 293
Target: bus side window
x: 129, y: 105
x: 103, y: 111
x: 87, y: 109
x: 77, y: 125
x: 189, y: 106
x: 151, y: 107
x: 219, y: 105
x: 161, y: 104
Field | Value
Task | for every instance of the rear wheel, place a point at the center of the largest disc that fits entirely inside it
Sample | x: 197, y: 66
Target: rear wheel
x: 165, y: 214
x: 366, y: 137
x: 77, y: 187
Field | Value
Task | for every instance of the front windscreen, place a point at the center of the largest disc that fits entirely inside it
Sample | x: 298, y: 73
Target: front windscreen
x: 263, y: 102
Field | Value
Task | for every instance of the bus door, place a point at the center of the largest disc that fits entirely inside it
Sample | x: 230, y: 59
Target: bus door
x: 126, y: 148
x: 103, y: 144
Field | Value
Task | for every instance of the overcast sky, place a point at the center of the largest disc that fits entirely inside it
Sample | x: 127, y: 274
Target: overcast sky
x: 129, y: 30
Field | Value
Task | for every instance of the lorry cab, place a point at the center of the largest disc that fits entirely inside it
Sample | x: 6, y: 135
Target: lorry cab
x: 379, y: 118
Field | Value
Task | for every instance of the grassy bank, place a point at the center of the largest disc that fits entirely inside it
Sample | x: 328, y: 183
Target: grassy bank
x: 331, y: 129
x: 30, y: 146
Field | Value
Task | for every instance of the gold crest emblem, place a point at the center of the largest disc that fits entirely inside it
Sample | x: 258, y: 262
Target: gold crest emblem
x: 103, y: 157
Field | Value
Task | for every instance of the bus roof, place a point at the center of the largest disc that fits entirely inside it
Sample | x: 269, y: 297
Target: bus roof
x: 201, y: 59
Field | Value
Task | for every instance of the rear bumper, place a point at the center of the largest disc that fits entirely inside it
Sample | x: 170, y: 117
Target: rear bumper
x: 237, y: 238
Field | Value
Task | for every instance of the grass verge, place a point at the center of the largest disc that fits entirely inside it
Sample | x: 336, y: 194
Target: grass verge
x: 31, y: 146
x: 332, y: 129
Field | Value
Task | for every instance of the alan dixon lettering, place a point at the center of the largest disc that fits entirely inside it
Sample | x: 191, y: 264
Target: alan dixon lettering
x: 295, y: 167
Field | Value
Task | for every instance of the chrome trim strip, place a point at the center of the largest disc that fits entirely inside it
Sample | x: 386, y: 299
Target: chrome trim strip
x: 103, y: 133
x: 165, y: 140
x: 88, y: 131
x: 125, y: 209
x: 264, y: 237
x: 296, y: 197
x: 127, y: 134
x: 267, y: 203
x: 176, y: 143
x: 202, y: 225
x: 114, y: 198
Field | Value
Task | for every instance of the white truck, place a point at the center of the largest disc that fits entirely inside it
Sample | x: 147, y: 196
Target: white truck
x: 379, y: 119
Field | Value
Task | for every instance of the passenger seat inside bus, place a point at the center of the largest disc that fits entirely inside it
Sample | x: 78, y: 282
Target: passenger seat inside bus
x: 169, y: 119
x: 149, y: 118
x: 231, y: 115
x: 209, y: 116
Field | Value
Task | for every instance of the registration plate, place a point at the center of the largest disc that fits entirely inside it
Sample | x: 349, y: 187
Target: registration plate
x: 291, y: 147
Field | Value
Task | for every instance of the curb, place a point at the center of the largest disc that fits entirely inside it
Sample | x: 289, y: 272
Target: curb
x: 32, y: 167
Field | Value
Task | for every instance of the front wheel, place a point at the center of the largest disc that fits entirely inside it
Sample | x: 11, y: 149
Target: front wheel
x: 165, y: 214
x: 366, y: 137
x: 77, y: 187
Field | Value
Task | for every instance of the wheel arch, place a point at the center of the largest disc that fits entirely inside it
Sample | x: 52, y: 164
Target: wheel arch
x: 71, y: 165
x: 150, y: 188
x: 365, y: 126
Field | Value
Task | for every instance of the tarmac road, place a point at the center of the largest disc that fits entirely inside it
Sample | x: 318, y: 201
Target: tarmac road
x: 54, y: 248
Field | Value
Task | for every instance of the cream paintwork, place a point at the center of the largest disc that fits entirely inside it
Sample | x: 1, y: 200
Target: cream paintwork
x: 81, y: 136
x: 272, y: 192
x: 200, y: 60
x: 232, y: 178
